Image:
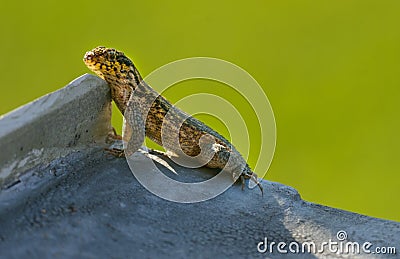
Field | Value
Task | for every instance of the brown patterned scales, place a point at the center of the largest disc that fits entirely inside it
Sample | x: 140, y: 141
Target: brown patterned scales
x: 148, y: 113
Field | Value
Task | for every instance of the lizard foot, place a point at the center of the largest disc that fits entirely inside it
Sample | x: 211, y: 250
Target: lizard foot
x: 113, y: 136
x: 115, y: 152
x: 253, y: 178
x: 242, y: 179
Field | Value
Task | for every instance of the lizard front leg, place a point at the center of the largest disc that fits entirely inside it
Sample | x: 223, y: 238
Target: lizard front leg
x: 133, y: 128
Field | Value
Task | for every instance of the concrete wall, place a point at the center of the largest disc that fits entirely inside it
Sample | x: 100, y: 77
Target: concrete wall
x: 54, y: 125
x: 63, y: 196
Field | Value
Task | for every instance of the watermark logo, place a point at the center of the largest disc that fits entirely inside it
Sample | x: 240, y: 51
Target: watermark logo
x: 341, y: 235
x: 146, y: 170
x: 339, y: 246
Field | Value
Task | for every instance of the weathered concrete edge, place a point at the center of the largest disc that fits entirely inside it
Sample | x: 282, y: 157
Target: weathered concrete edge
x: 53, y: 126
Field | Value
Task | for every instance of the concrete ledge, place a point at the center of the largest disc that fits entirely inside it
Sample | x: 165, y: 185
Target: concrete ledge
x: 72, y: 199
x: 54, y: 126
x: 93, y: 207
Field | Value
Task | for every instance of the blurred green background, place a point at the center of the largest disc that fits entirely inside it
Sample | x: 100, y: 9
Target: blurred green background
x: 331, y: 70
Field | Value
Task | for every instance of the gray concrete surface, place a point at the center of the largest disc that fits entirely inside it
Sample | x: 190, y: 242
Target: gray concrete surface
x: 52, y: 126
x: 85, y: 203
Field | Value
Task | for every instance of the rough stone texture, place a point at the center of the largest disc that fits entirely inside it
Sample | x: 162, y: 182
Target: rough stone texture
x: 53, y: 125
x: 87, y: 204
x: 92, y: 207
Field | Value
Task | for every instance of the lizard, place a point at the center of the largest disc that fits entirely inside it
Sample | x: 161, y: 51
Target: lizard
x: 133, y: 97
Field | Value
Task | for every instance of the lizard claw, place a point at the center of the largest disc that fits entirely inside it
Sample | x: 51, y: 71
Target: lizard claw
x: 255, y: 180
x: 113, y: 136
x: 115, y: 152
x: 243, y: 181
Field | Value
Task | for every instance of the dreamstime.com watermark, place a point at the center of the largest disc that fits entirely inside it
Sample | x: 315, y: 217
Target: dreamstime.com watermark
x: 339, y: 246
x: 237, y: 79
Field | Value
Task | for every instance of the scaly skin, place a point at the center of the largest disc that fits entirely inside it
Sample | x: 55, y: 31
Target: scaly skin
x: 124, y: 80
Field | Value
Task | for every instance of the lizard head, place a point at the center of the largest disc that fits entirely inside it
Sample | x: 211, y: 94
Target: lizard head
x: 108, y: 63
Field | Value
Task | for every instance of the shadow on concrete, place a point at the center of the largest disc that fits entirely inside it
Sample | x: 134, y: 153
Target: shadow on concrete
x: 96, y: 208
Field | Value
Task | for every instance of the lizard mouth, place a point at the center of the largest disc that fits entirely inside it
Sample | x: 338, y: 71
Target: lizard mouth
x: 93, y: 56
x: 89, y: 59
x: 100, y: 56
x: 96, y: 58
